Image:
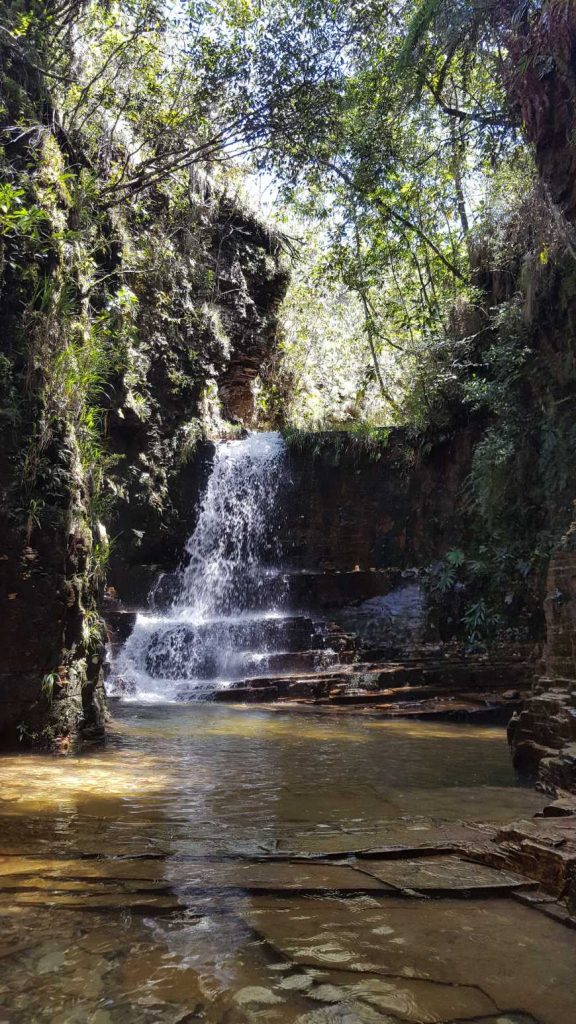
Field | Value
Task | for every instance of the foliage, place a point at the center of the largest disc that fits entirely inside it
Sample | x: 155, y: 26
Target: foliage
x: 428, y: 251
x: 357, y: 442
x: 375, y: 148
x: 388, y: 160
x: 16, y: 217
x: 323, y: 350
x: 48, y: 683
x: 490, y: 592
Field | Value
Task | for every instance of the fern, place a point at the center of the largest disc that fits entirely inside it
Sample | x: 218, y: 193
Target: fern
x: 558, y: 455
x: 423, y: 19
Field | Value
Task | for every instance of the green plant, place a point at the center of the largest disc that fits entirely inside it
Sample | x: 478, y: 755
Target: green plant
x: 481, y: 621
x: 99, y: 558
x: 191, y: 435
x: 48, y: 683
x: 92, y: 632
x: 31, y: 514
x: 17, y: 216
x: 446, y: 573
x: 26, y: 735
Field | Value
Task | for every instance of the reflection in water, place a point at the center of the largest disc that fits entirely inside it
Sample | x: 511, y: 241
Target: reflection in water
x: 124, y: 899
x: 224, y: 773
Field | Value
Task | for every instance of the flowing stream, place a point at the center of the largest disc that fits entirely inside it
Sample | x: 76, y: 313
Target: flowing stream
x: 188, y: 873
x: 230, y: 867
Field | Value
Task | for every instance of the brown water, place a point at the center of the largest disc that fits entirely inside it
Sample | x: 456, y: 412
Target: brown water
x: 177, y: 876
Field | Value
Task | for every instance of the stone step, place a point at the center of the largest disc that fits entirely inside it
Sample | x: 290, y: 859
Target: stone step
x: 291, y: 662
x: 271, y: 688
x: 301, y: 588
x: 409, y: 694
x: 490, y: 710
x: 363, y: 685
x: 563, y: 682
x: 226, y: 648
x: 269, y: 590
x: 287, y: 664
x: 121, y: 622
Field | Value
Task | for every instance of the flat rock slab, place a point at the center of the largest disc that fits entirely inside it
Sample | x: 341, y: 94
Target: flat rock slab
x: 564, y: 807
x: 391, y: 840
x: 275, y: 876
x: 389, y: 1000
x: 502, y: 1018
x: 446, y: 876
x: 484, y: 959
x: 556, y: 833
x: 282, y: 876
x: 89, y: 900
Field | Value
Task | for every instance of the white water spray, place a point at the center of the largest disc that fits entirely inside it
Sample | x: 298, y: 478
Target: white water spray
x: 225, y: 620
x: 235, y: 535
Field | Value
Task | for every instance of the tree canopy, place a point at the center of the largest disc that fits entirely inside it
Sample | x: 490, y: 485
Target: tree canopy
x: 423, y: 158
x: 388, y: 128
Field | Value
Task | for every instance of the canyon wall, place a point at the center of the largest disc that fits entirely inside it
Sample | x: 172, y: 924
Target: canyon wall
x: 123, y: 331
x: 543, y: 735
x: 390, y: 501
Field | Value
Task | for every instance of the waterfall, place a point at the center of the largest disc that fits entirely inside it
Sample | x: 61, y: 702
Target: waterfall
x: 225, y: 620
x: 236, y: 534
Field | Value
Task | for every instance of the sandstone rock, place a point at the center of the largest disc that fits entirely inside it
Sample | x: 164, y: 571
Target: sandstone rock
x: 561, y: 808
x: 543, y: 737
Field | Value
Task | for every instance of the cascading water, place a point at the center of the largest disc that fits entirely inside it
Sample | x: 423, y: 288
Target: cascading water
x: 226, y: 620
x: 236, y: 535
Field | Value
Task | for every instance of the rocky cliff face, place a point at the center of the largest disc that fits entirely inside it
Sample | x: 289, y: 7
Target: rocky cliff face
x: 544, y: 87
x: 184, y: 344
x: 542, y: 84
x: 392, y: 502
x: 204, y: 328
x: 51, y: 637
x: 124, y: 331
x: 543, y: 735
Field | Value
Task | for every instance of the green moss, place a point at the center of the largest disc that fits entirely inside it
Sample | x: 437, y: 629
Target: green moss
x: 358, y: 441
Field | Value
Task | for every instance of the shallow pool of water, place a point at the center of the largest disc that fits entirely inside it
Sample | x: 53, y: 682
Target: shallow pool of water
x: 136, y: 882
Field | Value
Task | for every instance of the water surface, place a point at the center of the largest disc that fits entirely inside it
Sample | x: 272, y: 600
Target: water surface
x: 122, y: 877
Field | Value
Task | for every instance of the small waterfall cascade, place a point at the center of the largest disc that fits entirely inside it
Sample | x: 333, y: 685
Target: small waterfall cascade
x: 227, y: 618
x: 236, y: 537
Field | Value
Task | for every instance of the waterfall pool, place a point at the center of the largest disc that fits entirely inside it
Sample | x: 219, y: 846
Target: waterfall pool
x: 210, y: 865
x: 189, y: 872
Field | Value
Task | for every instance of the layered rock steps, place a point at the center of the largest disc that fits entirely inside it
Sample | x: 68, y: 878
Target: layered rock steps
x: 408, y: 689
x: 324, y: 657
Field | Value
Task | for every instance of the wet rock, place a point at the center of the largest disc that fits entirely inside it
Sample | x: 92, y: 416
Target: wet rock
x: 544, y: 736
x: 436, y: 961
x: 503, y: 1018
x: 545, y: 850
x: 179, y: 653
x: 561, y: 808
x: 395, y: 620
x: 256, y: 994
x: 445, y: 876
x: 511, y: 695
x: 296, y: 982
x: 121, y: 622
x: 350, y: 1013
